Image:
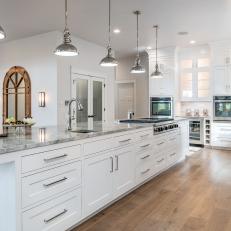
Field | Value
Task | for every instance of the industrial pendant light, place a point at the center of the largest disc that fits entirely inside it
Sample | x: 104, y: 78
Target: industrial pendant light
x: 66, y: 48
x: 2, y: 33
x: 157, y: 74
x: 109, y: 60
x: 137, y: 68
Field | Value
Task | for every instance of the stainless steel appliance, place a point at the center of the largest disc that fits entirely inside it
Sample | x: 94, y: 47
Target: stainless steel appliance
x: 196, y: 131
x: 161, y: 107
x: 222, y: 108
x: 159, y: 128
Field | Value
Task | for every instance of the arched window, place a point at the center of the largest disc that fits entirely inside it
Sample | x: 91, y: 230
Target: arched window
x: 16, y: 94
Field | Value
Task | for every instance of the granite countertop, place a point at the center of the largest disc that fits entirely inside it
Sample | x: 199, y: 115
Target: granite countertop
x: 28, y: 138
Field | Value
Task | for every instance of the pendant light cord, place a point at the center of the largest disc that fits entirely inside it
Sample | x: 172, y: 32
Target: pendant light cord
x: 109, y: 25
x: 156, y: 42
x: 137, y: 32
x: 66, y: 14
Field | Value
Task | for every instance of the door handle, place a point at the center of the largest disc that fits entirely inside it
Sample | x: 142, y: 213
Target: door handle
x: 112, y: 164
x: 91, y: 116
x: 117, y: 163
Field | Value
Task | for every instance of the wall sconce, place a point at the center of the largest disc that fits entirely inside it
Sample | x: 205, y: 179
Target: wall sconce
x: 42, y: 99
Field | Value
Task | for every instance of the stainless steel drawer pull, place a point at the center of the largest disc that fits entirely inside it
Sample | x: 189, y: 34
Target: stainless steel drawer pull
x: 112, y: 164
x: 160, y: 143
x: 55, y: 158
x: 173, y: 154
x: 159, y: 161
x: 55, y: 182
x: 142, y: 136
x: 173, y: 139
x: 145, y: 146
x: 117, y: 163
x: 146, y: 171
x: 145, y: 157
x: 123, y: 141
x: 56, y: 216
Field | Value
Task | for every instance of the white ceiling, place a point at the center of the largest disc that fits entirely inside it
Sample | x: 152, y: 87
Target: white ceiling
x: 205, y: 20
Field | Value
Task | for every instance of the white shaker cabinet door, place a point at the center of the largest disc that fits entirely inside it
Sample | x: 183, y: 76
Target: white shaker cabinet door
x: 220, y: 81
x: 98, y: 178
x: 124, y: 175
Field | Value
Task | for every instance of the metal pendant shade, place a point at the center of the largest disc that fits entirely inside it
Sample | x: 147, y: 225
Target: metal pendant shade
x: 157, y: 73
x: 137, y: 68
x: 2, y: 33
x: 66, y: 48
x: 109, y: 60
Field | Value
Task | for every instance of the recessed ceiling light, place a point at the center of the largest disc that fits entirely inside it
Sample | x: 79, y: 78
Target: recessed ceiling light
x: 116, y: 31
x: 182, y: 33
x: 149, y: 48
x: 192, y: 42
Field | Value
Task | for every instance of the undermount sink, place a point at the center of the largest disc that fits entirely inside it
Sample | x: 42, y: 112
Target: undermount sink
x: 82, y: 131
x: 134, y: 121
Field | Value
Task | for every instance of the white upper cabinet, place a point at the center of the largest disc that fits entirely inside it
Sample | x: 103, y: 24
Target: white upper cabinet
x: 194, y: 75
x: 162, y: 86
x: 221, y: 67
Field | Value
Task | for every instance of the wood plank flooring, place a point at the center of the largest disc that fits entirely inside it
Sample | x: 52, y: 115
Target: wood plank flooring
x: 194, y: 195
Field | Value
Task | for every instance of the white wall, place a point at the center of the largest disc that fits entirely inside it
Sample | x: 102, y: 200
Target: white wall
x: 87, y: 61
x: 51, y: 74
x: 142, y: 94
x: 35, y: 54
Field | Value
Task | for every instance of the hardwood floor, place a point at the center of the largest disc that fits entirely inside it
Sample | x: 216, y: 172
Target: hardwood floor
x: 194, y: 195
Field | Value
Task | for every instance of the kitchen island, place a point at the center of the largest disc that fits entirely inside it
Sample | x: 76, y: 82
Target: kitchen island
x: 52, y: 179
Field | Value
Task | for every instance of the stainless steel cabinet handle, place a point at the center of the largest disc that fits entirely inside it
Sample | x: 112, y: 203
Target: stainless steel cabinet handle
x: 123, y: 141
x: 159, y: 161
x: 55, y: 182
x: 142, y: 136
x: 117, y: 163
x: 145, y: 157
x: 160, y: 143
x: 56, y: 216
x: 146, y: 171
x: 173, y: 139
x: 55, y: 158
x: 173, y: 154
x: 112, y: 164
x: 144, y: 146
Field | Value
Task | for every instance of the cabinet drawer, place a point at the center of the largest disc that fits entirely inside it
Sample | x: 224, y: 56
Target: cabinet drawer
x: 46, y: 184
x: 56, y: 215
x: 172, y: 156
x: 144, y: 135
x: 143, y: 172
x: 144, y: 146
x: 97, y: 146
x: 144, y: 157
x: 45, y: 159
x: 124, y: 140
x: 103, y: 145
x: 159, y: 163
x: 160, y: 144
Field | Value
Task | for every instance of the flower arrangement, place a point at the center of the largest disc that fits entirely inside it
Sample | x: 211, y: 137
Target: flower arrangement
x: 26, y: 121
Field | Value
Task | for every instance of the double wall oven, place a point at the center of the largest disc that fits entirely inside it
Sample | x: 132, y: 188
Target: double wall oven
x: 222, y: 108
x: 161, y: 107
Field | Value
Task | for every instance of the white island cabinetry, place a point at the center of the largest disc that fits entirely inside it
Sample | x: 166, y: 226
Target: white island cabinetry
x: 58, y: 186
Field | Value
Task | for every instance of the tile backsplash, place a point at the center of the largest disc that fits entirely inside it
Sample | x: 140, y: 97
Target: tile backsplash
x: 193, y: 106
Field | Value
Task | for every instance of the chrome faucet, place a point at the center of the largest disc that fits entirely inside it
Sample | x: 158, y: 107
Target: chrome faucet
x: 79, y: 108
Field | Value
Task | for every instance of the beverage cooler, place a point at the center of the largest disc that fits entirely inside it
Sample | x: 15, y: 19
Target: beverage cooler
x: 196, y: 131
